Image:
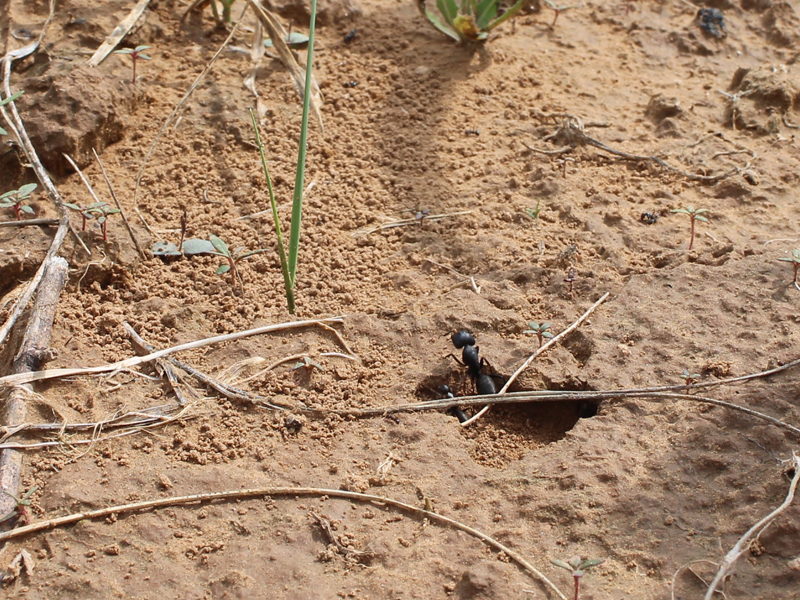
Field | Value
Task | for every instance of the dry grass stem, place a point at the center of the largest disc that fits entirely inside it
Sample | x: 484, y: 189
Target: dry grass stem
x: 120, y: 31
x: 284, y: 492
x: 30, y: 223
x: 533, y: 356
x: 12, y: 380
x: 753, y: 533
x: 687, y: 566
x: 122, y: 214
x: 407, y: 222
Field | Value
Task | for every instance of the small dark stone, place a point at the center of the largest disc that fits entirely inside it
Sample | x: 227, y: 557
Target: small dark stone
x: 712, y: 22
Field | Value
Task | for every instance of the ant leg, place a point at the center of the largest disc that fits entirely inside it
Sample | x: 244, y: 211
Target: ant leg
x: 455, y: 358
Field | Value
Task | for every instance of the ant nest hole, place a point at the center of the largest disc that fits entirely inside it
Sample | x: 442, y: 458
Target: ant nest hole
x: 508, y: 431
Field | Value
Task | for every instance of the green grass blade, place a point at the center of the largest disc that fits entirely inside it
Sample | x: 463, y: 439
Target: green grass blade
x: 299, y: 182
x: 506, y: 15
x: 485, y: 12
x: 287, y: 280
x: 449, y: 10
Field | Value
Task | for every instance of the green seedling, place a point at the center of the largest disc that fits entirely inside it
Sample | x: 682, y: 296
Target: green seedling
x: 533, y: 213
x: 695, y: 214
x: 690, y: 378
x: 14, y: 199
x: 6, y: 101
x: 289, y: 261
x: 221, y: 249
x: 307, y: 365
x: 577, y: 567
x: 542, y: 332
x: 136, y: 54
x: 795, y: 260
x: 467, y: 20
x: 20, y: 510
x: 99, y: 210
x: 558, y: 10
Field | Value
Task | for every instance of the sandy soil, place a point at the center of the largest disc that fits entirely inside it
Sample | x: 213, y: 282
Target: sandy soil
x: 647, y: 484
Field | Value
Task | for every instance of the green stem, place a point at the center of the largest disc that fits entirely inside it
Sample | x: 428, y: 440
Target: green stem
x: 297, y: 202
x: 287, y: 280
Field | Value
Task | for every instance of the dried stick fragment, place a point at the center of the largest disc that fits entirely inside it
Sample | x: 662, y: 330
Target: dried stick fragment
x: 226, y: 390
x: 120, y: 31
x: 571, y: 134
x: 30, y: 223
x: 756, y: 530
x: 533, y: 356
x: 15, y: 124
x: 287, y: 492
x: 122, y: 214
x: 32, y: 354
x: 325, y: 524
x: 10, y: 380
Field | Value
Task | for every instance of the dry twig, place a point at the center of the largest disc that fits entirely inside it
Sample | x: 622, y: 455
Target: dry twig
x: 120, y: 31
x: 11, y: 380
x: 753, y: 533
x: 30, y: 222
x: 287, y: 492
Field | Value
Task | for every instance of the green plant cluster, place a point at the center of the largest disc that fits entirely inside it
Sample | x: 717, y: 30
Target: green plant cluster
x: 467, y: 20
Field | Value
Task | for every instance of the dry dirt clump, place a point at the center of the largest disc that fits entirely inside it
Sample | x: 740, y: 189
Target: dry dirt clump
x: 535, y: 173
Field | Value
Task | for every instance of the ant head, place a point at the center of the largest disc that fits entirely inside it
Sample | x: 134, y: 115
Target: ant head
x: 463, y: 338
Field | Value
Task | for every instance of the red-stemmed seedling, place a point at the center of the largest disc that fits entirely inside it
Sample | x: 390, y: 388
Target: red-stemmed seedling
x: 577, y: 567
x: 795, y: 260
x: 136, y: 54
x: 14, y: 199
x: 99, y: 210
x: 541, y: 331
x: 558, y: 10
x: 695, y: 214
x: 20, y: 510
x: 221, y: 249
x: 690, y: 378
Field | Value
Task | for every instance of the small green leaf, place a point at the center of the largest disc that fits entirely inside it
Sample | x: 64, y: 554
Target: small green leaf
x: 588, y: 564
x: 547, y: 334
x: 72, y: 206
x: 545, y: 326
x: 485, y: 11
x: 26, y: 190
x: 194, y: 246
x: 700, y: 218
x: 219, y: 245
x: 144, y: 57
x: 561, y: 563
x: 223, y: 269
x: 26, y: 209
x: 123, y: 51
x: 140, y: 48
x: 251, y: 253
x: 506, y: 15
x: 295, y: 40
x: 3, y: 131
x: 165, y: 249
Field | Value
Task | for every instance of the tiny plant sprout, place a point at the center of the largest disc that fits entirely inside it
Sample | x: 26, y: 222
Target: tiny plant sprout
x: 14, y: 199
x: 99, y: 210
x: 795, y: 260
x: 542, y: 332
x: 468, y: 20
x: 695, y: 214
x: 221, y: 249
x: 577, y: 567
x: 690, y: 378
x: 6, y: 101
x: 533, y: 213
x: 307, y: 365
x: 558, y: 10
x: 136, y: 54
x: 20, y: 510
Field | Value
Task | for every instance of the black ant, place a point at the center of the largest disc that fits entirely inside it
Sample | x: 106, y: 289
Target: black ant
x: 474, y: 132
x: 454, y: 411
x: 350, y: 84
x: 350, y: 36
x: 465, y: 341
x: 649, y: 218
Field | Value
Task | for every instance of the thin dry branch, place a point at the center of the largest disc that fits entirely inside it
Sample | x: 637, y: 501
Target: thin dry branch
x: 571, y: 134
x: 289, y: 493
x: 11, y: 380
x: 756, y: 530
x: 120, y: 31
x: 224, y: 389
x: 122, y: 214
x: 407, y: 222
x: 533, y: 356
x: 15, y: 124
x: 30, y: 223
